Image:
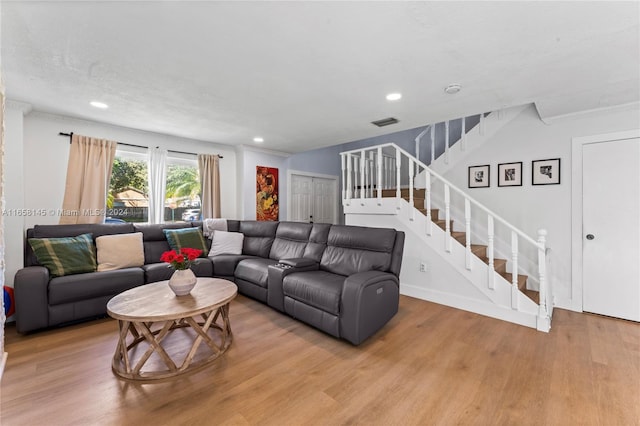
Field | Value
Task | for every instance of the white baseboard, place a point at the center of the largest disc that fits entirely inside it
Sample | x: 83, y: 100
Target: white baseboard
x: 471, y: 305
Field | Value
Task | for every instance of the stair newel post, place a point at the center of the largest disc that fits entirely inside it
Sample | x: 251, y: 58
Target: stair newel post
x: 542, y: 273
x: 446, y: 142
x: 343, y: 171
x: 348, y: 179
x: 447, y: 218
x: 379, y: 176
x: 492, y: 268
x: 363, y: 167
x: 398, y: 162
x: 514, y: 270
x: 467, y: 228
x: 427, y: 195
x: 463, y: 134
x: 433, y: 143
x: 412, y: 215
x: 481, y: 124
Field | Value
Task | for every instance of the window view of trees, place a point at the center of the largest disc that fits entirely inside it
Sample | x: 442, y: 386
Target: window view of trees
x: 182, y: 197
x: 128, y: 197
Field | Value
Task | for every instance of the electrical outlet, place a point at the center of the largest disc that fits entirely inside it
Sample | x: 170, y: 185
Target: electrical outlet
x: 423, y: 267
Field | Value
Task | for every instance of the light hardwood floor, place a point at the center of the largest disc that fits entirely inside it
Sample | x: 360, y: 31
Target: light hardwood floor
x: 430, y: 365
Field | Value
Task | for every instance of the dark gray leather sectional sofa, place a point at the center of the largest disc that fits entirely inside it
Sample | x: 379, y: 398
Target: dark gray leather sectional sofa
x: 340, y: 279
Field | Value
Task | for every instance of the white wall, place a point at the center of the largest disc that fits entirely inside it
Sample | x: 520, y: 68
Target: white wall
x: 46, y: 155
x: 529, y: 207
x: 250, y: 158
x: 14, y: 188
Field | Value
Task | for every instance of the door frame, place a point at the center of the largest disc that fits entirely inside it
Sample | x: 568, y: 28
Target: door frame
x: 313, y: 175
x: 577, y: 143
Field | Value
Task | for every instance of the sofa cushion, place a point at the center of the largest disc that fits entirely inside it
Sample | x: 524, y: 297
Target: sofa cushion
x: 119, y: 251
x: 291, y: 240
x: 154, y: 272
x: 319, y: 289
x: 188, y: 237
x: 224, y: 265
x: 317, y: 241
x: 353, y: 249
x: 254, y: 270
x: 223, y: 242
x: 258, y: 237
x: 65, y: 256
x: 80, y: 287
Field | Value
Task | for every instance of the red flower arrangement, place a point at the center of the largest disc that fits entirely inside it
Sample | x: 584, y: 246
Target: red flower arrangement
x: 181, y: 259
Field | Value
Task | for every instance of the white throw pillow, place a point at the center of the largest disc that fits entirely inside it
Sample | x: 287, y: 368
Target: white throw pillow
x: 224, y: 242
x: 119, y: 251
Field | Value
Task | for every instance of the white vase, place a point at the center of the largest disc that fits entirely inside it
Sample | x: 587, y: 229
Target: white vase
x: 182, y: 282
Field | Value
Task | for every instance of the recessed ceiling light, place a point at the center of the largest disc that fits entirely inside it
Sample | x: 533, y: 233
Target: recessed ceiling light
x: 100, y: 105
x: 258, y: 139
x: 452, y: 88
x: 394, y: 96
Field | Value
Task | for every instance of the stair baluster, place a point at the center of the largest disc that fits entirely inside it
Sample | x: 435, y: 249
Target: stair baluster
x: 481, y: 125
x: 379, y: 176
x: 349, y: 187
x: 427, y: 195
x: 398, y: 163
x: 447, y: 218
x: 492, y: 267
x: 446, y: 142
x: 542, y: 274
x: 463, y: 135
x: 433, y: 144
x: 514, y: 270
x: 412, y: 214
x: 467, y: 227
x: 362, y: 181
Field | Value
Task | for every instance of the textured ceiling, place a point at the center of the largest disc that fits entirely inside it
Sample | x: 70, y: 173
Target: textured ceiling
x: 310, y: 74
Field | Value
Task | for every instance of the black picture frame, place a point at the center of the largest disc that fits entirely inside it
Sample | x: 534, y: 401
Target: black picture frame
x: 545, y: 172
x: 479, y: 176
x: 510, y: 174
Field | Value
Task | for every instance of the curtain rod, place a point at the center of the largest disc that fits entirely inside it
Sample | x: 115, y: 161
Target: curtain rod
x: 137, y: 146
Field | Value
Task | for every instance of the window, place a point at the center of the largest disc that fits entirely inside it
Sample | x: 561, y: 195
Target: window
x: 128, y: 198
x: 182, y: 197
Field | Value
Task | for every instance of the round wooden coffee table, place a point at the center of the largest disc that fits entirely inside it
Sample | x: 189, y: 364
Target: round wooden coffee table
x: 147, y: 316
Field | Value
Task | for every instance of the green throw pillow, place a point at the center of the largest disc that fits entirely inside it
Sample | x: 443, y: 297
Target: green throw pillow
x: 65, y: 256
x: 186, y: 237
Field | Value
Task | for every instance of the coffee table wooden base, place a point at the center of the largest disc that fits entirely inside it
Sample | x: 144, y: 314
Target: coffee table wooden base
x: 132, y: 333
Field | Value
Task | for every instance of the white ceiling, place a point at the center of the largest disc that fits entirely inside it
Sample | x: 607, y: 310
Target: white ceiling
x: 310, y: 74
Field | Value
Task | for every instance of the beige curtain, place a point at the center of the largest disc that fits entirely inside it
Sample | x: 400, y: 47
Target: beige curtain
x: 209, y: 185
x: 88, y: 175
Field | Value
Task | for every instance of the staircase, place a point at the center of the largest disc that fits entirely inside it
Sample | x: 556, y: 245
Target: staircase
x: 478, y: 250
x: 501, y: 274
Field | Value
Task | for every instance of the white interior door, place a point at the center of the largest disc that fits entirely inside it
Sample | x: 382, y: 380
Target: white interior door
x: 313, y: 199
x: 301, y: 196
x: 324, y: 200
x: 611, y: 228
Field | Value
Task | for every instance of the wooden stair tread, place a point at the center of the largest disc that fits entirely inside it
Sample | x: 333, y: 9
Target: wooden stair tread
x: 522, y: 280
x: 417, y: 193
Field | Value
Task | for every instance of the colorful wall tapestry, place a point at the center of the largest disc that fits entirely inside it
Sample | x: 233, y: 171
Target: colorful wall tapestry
x: 266, y: 193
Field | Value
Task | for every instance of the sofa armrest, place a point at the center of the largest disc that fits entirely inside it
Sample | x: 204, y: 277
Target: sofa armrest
x: 30, y: 289
x: 277, y: 272
x: 369, y: 300
x: 299, y: 262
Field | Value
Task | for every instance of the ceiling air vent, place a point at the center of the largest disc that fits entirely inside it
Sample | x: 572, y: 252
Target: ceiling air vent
x: 385, y: 122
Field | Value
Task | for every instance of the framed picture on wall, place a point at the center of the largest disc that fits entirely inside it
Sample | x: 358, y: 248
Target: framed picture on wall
x: 479, y: 176
x: 267, y: 193
x: 510, y: 174
x: 545, y: 172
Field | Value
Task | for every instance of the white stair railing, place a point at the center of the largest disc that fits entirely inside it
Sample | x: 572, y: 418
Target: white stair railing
x: 378, y: 154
